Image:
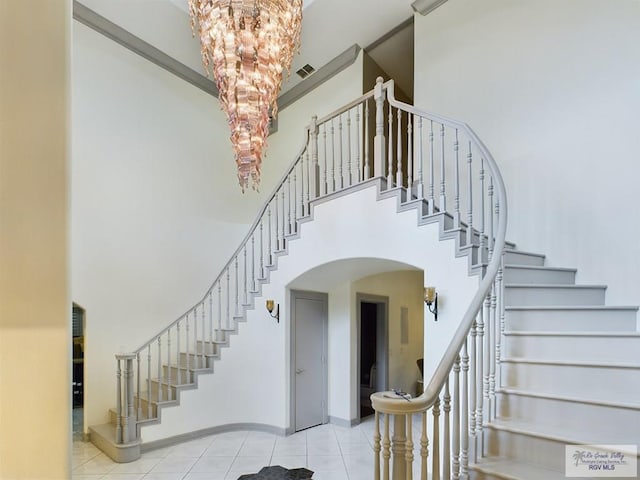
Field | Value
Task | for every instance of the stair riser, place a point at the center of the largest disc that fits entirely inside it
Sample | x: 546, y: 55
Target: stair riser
x: 603, y: 384
x: 537, y: 451
x: 168, y: 393
x: 553, y: 296
x: 537, y: 276
x: 144, y: 404
x: 208, y: 348
x: 520, y: 258
x: 179, y: 376
x: 571, y: 320
x: 195, y: 361
x: 573, y: 348
x: 603, y: 421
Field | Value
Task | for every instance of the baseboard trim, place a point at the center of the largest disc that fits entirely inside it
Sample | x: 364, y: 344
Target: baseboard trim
x: 231, y: 427
x: 342, y: 422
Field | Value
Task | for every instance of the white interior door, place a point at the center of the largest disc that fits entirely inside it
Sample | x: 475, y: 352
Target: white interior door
x: 309, y: 363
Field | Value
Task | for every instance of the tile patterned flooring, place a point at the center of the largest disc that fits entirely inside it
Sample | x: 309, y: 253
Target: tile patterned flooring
x: 332, y: 452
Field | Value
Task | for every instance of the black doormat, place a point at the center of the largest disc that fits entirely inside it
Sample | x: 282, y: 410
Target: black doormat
x: 279, y: 473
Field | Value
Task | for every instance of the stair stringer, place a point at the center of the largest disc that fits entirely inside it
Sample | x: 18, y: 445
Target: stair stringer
x: 251, y: 386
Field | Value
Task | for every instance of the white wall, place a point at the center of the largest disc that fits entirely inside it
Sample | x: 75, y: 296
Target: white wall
x: 35, y: 307
x: 156, y: 208
x: 552, y: 89
x: 259, y: 393
x: 404, y: 289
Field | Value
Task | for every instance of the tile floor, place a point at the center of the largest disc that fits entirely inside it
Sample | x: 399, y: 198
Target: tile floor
x: 332, y: 452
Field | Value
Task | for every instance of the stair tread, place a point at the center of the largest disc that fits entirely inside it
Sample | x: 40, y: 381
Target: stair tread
x: 559, y: 433
x: 512, y: 470
x: 553, y: 285
x: 567, y: 398
x: 590, y: 334
x: 524, y: 252
x: 571, y: 307
x: 541, y: 268
x: 570, y: 363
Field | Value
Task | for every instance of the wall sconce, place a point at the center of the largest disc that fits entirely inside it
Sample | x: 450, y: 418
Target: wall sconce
x: 431, y: 299
x: 270, y: 306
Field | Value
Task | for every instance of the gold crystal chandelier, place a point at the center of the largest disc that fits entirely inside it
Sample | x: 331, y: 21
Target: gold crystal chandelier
x: 246, y: 45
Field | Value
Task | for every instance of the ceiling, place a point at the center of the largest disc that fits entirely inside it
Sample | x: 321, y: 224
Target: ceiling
x: 329, y: 27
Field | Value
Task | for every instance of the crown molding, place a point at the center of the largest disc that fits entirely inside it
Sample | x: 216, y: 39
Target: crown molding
x: 425, y: 7
x: 106, y: 27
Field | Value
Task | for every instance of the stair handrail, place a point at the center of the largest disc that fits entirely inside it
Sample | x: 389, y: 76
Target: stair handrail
x: 394, y: 404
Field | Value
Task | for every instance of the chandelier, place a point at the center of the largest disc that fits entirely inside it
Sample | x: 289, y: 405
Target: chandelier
x: 246, y: 45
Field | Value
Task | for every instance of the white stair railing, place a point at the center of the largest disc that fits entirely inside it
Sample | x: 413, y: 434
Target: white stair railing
x: 474, y: 198
x: 375, y: 136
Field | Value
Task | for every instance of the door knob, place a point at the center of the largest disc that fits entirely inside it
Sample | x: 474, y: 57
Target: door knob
x: 299, y: 370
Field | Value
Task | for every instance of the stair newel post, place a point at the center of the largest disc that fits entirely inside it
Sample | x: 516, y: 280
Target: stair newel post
x: 456, y: 419
x: 435, y: 456
x: 432, y: 189
x: 399, y: 149
x: 443, y: 187
x: 376, y: 447
x: 313, y: 191
x: 160, y: 376
x: 456, y: 199
x: 367, y: 168
x: 340, y: 155
x: 379, y: 146
x: 149, y: 381
x: 424, y: 448
x: 446, y: 454
x: 420, y: 188
x: 409, y: 447
x: 398, y: 447
x: 390, y: 153
x: 464, y: 414
x: 119, y: 438
x: 472, y: 388
x: 349, y: 176
x: 470, y: 199
x: 131, y: 410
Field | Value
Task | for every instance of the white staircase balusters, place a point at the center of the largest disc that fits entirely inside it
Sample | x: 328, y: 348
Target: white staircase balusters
x: 376, y: 447
x: 119, y: 437
x: 390, y: 156
x: 435, y: 456
x: 446, y: 454
x: 399, y: 149
x: 305, y: 181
